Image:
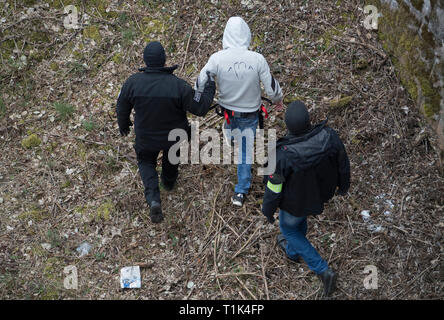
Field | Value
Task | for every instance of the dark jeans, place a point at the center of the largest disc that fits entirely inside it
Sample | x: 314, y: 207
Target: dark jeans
x: 147, y: 162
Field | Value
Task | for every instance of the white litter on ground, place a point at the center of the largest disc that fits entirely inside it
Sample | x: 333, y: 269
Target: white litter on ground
x: 130, y: 277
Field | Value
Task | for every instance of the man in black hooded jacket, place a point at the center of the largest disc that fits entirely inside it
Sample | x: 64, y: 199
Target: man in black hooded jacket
x: 160, y: 101
x: 311, y: 163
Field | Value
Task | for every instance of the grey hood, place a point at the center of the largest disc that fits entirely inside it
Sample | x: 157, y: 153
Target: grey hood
x: 237, y: 34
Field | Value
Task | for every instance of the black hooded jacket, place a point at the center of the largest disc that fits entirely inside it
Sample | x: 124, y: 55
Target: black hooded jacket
x: 309, y: 168
x: 161, y: 101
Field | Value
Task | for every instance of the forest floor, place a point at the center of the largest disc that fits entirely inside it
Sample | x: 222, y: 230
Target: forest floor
x: 67, y: 177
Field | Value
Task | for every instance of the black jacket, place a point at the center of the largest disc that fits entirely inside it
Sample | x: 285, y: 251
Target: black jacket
x: 161, y: 101
x: 309, y: 168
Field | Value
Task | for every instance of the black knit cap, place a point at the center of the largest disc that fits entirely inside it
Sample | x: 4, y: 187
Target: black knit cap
x: 154, y: 55
x: 297, y: 118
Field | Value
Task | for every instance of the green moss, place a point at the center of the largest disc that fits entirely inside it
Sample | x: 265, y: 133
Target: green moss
x: 294, y: 97
x: 34, y: 214
x: 104, y: 211
x: 50, y: 294
x: 54, y: 66
x: 405, y: 46
x: 92, y: 32
x: 257, y: 42
x: 31, y: 141
x: 289, y: 99
x: 411, y: 88
x: 340, y: 102
x: 430, y: 110
x: 190, y: 70
x: 81, y: 209
x: 117, y: 58
x: 426, y: 87
x: 152, y: 28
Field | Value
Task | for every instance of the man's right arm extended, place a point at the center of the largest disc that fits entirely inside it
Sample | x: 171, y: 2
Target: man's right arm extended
x: 198, y: 103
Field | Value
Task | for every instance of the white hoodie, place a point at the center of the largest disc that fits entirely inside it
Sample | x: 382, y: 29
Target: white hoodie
x: 239, y: 71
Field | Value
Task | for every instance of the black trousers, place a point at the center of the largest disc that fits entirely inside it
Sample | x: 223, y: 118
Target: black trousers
x: 147, y: 162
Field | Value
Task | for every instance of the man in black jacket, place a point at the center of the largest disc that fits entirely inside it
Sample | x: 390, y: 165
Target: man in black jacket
x: 311, y: 163
x: 160, y: 101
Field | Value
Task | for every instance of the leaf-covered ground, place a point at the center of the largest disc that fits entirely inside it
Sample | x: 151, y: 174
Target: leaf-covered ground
x: 66, y: 176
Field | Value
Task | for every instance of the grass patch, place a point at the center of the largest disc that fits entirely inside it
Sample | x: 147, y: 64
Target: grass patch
x: 54, y: 238
x: 128, y: 35
x: 89, y: 125
x: 64, y: 110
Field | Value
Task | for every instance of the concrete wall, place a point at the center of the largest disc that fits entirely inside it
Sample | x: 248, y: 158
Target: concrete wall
x: 412, y: 32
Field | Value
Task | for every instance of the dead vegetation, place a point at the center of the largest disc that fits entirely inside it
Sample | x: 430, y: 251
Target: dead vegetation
x: 66, y: 176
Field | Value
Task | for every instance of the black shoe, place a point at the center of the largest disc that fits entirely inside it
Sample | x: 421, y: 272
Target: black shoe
x: 167, y: 187
x: 238, y: 199
x: 282, y: 243
x: 156, y: 212
x: 328, y: 278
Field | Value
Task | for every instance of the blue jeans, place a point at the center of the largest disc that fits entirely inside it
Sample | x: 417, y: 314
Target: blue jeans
x: 294, y: 230
x: 246, y: 148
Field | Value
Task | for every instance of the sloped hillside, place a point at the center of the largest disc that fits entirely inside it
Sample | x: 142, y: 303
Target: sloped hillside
x: 67, y: 177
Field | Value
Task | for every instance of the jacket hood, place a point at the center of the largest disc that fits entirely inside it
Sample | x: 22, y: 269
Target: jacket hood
x: 309, y: 149
x: 237, y: 34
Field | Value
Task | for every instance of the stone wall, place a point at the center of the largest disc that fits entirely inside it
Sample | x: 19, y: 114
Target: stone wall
x: 412, y: 32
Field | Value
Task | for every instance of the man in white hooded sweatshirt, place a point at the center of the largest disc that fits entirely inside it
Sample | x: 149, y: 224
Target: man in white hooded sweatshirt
x: 239, y: 73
